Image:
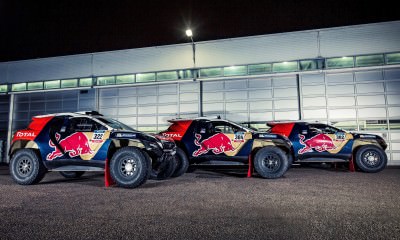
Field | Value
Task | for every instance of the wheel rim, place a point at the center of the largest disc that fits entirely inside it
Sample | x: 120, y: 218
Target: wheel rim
x: 371, y: 158
x: 24, y: 167
x: 128, y: 167
x: 271, y: 162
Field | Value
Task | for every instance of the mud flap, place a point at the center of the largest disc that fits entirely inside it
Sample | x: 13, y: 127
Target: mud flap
x: 108, y: 181
x: 250, y: 170
x: 351, y: 165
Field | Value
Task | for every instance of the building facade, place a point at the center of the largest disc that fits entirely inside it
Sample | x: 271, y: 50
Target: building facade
x: 347, y: 76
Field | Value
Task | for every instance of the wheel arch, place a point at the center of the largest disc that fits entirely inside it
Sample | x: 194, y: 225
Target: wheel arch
x: 23, y: 144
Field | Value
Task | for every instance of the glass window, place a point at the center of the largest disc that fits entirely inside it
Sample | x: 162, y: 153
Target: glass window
x: 394, y: 111
x: 235, y: 70
x: 124, y: 79
x: 341, y: 89
x: 109, y: 80
x: 16, y: 87
x: 279, y: 104
x: 311, y: 79
x: 3, y: 88
x: 371, y: 100
x: 35, y: 85
x: 184, y: 74
x: 145, y: 77
x: 370, y: 87
x: 292, y: 115
x: 393, y: 58
x: 395, y: 124
x: 68, y: 83
x: 85, y: 82
x: 369, y: 76
x: 285, y: 67
x: 165, y: 76
x: 341, y: 62
x: 260, y: 68
x: 371, y: 60
x: 372, y: 125
x: 52, y: 84
x: 210, y: 72
x: 285, y: 92
x: 306, y: 65
x: 346, y: 125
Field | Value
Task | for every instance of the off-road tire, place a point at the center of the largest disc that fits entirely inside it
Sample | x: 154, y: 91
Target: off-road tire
x: 371, y: 159
x: 164, y: 172
x: 182, y: 163
x: 129, y: 168
x: 271, y: 162
x: 26, y: 167
x: 72, y: 174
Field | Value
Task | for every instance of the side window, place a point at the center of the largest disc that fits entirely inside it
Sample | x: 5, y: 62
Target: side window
x: 84, y: 125
x: 224, y: 127
x: 322, y: 128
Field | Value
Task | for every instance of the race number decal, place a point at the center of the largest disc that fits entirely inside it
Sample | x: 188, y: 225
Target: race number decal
x: 98, y: 136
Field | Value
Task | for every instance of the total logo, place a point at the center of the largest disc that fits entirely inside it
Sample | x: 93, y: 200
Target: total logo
x: 25, y: 134
x: 172, y: 135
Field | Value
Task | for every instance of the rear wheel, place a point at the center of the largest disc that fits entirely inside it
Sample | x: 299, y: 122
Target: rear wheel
x: 72, y: 174
x: 26, y: 167
x: 129, y: 167
x: 371, y: 159
x: 271, y: 162
x: 182, y: 163
x: 164, y: 170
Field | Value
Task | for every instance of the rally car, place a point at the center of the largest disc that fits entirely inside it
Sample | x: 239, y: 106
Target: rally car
x: 73, y: 143
x: 319, y: 142
x: 217, y: 141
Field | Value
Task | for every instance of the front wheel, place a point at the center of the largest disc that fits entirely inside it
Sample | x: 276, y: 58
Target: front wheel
x: 26, y: 167
x: 371, y: 159
x: 129, y: 167
x: 271, y: 162
x: 72, y: 174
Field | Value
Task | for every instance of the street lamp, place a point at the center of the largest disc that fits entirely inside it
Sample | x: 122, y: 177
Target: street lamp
x: 189, y: 33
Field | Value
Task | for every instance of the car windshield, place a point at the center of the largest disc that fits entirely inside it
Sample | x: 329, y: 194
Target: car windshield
x: 115, y: 124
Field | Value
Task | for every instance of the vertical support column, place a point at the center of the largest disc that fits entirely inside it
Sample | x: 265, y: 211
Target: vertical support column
x: 201, y: 99
x: 10, y: 120
x: 299, y: 96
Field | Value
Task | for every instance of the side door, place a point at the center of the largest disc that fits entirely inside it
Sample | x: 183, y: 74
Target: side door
x: 79, y: 138
x: 321, y: 140
x: 220, y: 139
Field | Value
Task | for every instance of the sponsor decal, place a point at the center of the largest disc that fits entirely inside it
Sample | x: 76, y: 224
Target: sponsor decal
x: 367, y: 136
x: 239, y: 137
x: 319, y: 143
x: 341, y: 136
x: 264, y: 135
x: 25, y: 134
x: 172, y: 135
x: 126, y: 135
x: 98, y: 136
x: 74, y: 144
x: 217, y: 143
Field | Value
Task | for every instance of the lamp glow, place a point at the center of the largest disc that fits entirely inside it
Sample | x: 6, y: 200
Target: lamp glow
x: 189, y: 33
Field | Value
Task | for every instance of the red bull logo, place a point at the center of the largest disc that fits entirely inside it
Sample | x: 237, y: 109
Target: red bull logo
x: 319, y: 143
x: 218, y: 143
x: 75, y: 144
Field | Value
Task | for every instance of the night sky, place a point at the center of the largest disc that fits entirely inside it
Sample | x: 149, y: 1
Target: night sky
x: 36, y: 29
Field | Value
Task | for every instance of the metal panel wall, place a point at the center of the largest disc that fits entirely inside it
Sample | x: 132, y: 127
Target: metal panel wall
x: 268, y: 48
x: 351, y: 40
x: 50, y: 68
x: 361, y: 39
x: 143, y: 60
x: 3, y: 72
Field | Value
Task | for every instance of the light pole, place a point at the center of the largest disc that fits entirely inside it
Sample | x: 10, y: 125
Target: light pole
x: 189, y: 33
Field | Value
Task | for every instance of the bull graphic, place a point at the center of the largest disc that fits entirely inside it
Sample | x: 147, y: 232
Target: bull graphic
x: 319, y: 143
x: 75, y: 144
x: 218, y: 143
